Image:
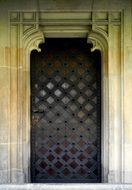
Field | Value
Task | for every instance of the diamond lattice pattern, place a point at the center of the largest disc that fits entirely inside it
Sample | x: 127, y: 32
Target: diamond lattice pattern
x: 65, y: 109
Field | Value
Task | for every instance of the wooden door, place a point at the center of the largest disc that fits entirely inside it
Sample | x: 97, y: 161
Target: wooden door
x: 65, y: 113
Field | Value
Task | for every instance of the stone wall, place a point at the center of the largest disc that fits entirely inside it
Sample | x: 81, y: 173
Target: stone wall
x: 108, y: 25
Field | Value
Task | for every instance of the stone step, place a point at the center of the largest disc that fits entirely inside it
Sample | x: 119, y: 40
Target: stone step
x: 67, y: 186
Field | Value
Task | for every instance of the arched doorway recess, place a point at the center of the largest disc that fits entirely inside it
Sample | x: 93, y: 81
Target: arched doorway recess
x: 99, y: 42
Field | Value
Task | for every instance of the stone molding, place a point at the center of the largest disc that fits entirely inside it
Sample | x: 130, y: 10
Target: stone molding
x: 100, y: 42
x: 27, y: 30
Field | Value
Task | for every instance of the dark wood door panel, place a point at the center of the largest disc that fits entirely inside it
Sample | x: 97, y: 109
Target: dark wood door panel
x: 65, y: 113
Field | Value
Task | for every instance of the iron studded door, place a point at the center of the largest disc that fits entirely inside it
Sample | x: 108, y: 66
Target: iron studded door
x: 65, y: 113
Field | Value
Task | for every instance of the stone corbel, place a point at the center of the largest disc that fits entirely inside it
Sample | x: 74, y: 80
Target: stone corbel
x: 98, y: 39
x: 32, y: 39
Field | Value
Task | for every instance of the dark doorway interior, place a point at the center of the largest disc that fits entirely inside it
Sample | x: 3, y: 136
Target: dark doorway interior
x: 65, y: 112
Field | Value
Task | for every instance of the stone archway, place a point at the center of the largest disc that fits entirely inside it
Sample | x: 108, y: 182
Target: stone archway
x: 99, y: 43
x: 30, y: 37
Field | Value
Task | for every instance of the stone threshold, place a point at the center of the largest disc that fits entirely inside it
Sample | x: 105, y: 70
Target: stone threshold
x: 66, y: 186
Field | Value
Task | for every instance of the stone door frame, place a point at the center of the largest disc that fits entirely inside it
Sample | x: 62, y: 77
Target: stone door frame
x: 27, y: 29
